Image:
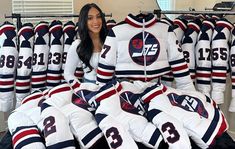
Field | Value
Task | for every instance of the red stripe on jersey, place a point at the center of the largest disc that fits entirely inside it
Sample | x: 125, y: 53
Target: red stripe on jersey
x: 214, y: 103
x: 132, y: 23
x: 180, y: 24
x: 194, y: 27
x: 208, y: 24
x: 224, y: 24
x: 55, y: 28
x: 69, y: 27
x: 203, y: 75
x: 53, y: 77
x: 25, y: 30
x: 150, y: 24
x: 31, y: 98
x: 39, y: 79
x: 104, y: 73
x: 62, y: 78
x: 233, y: 80
x: 185, y: 66
x: 106, y: 95
x: 147, y: 24
x: 154, y: 94
x: 22, y: 83
x: 6, y: 82
x: 40, y: 26
x: 223, y: 126
x: 218, y: 74
x: 4, y: 29
x: 59, y: 90
x: 222, y: 129
x: 23, y: 134
x: 76, y: 85
x: 109, y: 93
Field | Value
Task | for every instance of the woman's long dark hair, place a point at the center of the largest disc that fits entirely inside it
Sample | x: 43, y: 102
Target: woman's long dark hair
x: 85, y: 48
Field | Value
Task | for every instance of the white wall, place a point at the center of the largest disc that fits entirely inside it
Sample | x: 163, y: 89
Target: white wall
x: 120, y: 8
x: 5, y: 9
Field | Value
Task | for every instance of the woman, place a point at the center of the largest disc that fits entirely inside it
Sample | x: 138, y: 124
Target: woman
x: 85, y: 51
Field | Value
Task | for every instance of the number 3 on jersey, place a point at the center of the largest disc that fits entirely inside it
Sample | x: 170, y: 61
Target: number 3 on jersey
x: 116, y: 138
x: 173, y: 133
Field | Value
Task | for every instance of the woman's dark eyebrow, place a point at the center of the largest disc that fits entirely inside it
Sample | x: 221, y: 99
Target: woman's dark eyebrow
x: 98, y: 14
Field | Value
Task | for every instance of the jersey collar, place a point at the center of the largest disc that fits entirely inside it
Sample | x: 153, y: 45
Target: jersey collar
x: 141, y: 20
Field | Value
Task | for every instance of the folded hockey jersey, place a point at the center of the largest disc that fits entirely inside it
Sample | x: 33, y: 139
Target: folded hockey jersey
x: 24, y: 123
x: 8, y: 61
x: 77, y: 113
x: 153, y: 51
x: 127, y: 115
x: 178, y: 138
x: 40, y: 55
x: 48, y: 122
x: 24, y: 65
x: 201, y: 117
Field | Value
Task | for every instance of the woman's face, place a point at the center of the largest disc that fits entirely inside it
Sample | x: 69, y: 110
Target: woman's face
x: 94, y: 21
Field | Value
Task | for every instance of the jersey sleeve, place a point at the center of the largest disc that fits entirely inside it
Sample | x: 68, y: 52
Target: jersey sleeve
x: 55, y: 54
x: 188, y: 45
x: 72, y: 61
x: 220, y: 51
x: 232, y: 66
x: 107, y: 60
x: 69, y: 36
x: 9, y: 56
x: 23, y: 130
x: 177, y: 62
x: 203, y: 57
x: 24, y: 65
x: 40, y: 55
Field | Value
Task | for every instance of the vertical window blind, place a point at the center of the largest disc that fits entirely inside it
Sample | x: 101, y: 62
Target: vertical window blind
x: 42, y: 8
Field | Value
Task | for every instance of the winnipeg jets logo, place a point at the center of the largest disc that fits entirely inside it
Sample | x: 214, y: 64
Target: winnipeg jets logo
x: 188, y: 103
x: 144, y: 46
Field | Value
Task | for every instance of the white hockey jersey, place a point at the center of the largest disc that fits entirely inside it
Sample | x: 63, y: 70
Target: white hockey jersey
x: 40, y: 55
x: 148, y: 51
x: 203, y: 57
x: 69, y: 34
x: 24, y: 65
x: 179, y: 27
x: 140, y: 129
x: 201, y: 117
x: 78, y: 116
x: 8, y: 61
x: 24, y: 123
x: 52, y: 125
x: 188, y: 45
x: 232, y: 66
x: 220, y: 55
x: 55, y: 54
